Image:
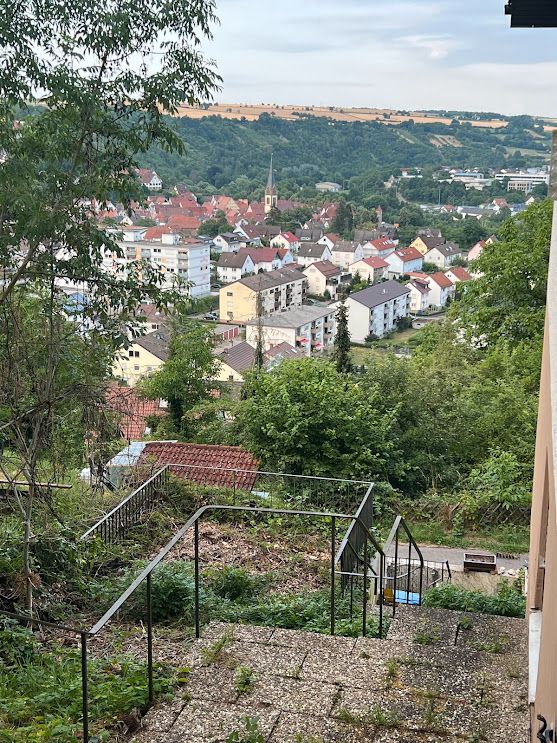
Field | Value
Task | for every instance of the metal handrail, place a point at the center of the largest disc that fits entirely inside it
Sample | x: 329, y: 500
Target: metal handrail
x: 394, y: 536
x: 146, y: 574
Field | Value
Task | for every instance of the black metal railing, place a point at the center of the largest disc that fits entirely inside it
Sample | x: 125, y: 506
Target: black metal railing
x: 128, y: 512
x: 146, y: 577
x: 392, y: 591
x: 273, y: 488
x: 348, y: 556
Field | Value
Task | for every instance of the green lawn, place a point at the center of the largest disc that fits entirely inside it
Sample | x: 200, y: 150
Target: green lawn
x: 397, y: 340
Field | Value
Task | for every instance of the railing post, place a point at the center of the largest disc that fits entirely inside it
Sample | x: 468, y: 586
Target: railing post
x: 84, y: 687
x: 234, y: 488
x: 150, y: 639
x: 333, y: 540
x: 381, y: 576
x: 395, y: 574
x: 196, y: 576
x: 364, y: 605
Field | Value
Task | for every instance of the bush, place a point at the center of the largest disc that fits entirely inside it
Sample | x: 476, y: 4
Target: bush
x: 234, y: 584
x: 507, y: 602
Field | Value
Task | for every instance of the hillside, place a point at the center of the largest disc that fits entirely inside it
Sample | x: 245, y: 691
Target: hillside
x: 219, y: 151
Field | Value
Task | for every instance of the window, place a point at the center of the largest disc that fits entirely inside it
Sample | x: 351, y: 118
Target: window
x: 136, y: 354
x: 136, y: 367
x: 130, y: 353
x: 231, y: 377
x: 229, y: 294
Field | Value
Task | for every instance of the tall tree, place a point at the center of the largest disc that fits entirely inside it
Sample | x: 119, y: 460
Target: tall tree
x: 343, y: 222
x: 341, y: 354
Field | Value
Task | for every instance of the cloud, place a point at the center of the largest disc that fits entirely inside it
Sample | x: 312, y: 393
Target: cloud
x: 436, y: 47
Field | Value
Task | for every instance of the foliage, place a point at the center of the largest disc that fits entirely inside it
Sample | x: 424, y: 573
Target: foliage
x: 509, y: 601
x: 244, y: 679
x: 235, y: 584
x: 305, y: 417
x: 186, y: 376
x: 341, y: 355
x: 343, y: 221
x: 40, y: 699
x: 250, y: 734
x: 216, y: 225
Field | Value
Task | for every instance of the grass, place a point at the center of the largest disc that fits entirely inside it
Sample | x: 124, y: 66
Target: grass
x: 513, y: 539
x: 360, y: 354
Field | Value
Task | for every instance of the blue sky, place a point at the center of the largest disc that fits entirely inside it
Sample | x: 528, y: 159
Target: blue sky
x: 410, y: 54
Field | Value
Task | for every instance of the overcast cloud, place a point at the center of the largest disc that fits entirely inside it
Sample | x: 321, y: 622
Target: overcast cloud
x: 407, y: 54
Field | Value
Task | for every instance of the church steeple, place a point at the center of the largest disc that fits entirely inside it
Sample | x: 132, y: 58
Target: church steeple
x: 271, y: 195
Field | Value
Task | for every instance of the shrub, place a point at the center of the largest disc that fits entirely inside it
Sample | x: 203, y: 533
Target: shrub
x: 235, y: 583
x: 507, y: 602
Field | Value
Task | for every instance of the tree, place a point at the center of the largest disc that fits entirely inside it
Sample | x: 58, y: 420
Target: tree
x: 186, y: 377
x: 82, y: 102
x: 341, y: 354
x: 343, y: 222
x: 305, y: 417
x: 215, y: 226
x: 274, y: 216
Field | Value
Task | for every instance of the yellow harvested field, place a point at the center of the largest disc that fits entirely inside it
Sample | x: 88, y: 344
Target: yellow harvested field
x: 291, y: 113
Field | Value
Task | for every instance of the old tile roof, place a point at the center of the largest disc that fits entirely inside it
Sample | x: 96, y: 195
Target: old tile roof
x: 421, y: 286
x: 131, y: 410
x: 346, y: 246
x: 232, y: 260
x: 260, y: 255
x: 460, y: 273
x: 206, y: 464
x: 327, y: 268
x: 441, y: 280
x: 156, y: 342
x: 431, y: 241
x: 447, y: 249
x: 372, y: 296
x: 240, y: 357
x: 374, y: 262
x: 311, y: 250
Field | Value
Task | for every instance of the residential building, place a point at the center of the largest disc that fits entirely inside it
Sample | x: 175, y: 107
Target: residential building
x: 458, y: 274
x: 324, y: 186
x: 425, y: 242
x: 441, y: 290
x: 419, y: 294
x: 267, y: 293
x: 371, y: 269
x: 345, y: 252
x: 149, y: 179
x: 309, y: 234
x: 309, y: 328
x: 236, y: 361
x: 133, y: 411
x: 228, y: 242
x: 443, y: 255
x: 309, y: 253
x: 232, y: 266
x: 190, y: 261
x: 287, y: 241
x: 264, y: 259
x: 324, y: 276
x: 403, y: 261
x: 145, y: 355
x: 329, y: 239
x: 476, y: 250
x: 379, y: 248
x: 376, y: 309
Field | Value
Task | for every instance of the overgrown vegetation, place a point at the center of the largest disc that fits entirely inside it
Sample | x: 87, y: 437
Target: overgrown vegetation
x: 509, y: 601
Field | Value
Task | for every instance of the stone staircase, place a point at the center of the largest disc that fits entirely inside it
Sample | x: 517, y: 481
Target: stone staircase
x: 440, y: 676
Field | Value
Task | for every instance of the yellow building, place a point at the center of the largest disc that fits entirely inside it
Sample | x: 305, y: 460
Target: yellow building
x: 276, y: 290
x: 144, y: 356
x: 425, y: 243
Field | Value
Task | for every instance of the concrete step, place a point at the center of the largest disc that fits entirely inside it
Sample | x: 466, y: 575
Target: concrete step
x: 308, y: 688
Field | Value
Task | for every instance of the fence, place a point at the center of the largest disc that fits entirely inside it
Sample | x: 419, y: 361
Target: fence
x: 146, y: 577
x: 393, y: 591
x: 348, y: 556
x: 241, y: 486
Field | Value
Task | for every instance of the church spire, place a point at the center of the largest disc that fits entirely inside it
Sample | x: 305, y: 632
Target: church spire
x: 271, y: 196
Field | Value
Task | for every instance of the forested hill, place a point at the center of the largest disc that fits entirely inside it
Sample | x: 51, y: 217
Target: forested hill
x: 219, y: 150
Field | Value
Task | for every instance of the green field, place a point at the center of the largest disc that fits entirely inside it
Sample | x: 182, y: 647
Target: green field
x: 397, y: 340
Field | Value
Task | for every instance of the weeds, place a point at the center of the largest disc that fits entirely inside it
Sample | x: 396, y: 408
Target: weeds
x: 251, y: 733
x: 427, y: 636
x: 393, y: 673
x: 213, y: 653
x: 244, y: 679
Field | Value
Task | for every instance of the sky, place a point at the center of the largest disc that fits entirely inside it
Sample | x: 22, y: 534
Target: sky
x: 403, y: 54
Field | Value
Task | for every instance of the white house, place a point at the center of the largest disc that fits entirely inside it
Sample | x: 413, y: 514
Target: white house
x: 329, y: 239
x: 346, y: 252
x: 419, y: 294
x: 232, y: 266
x: 443, y: 255
x: 441, y: 289
x: 370, y: 269
x: 476, y: 250
x: 310, y: 329
x: 458, y: 274
x: 309, y: 253
x: 324, y: 276
x: 381, y: 247
x: 149, y: 179
x: 264, y: 259
x: 376, y: 309
x: 228, y: 242
x: 403, y: 261
x: 286, y: 240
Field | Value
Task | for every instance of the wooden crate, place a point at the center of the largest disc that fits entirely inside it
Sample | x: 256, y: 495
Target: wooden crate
x: 480, y: 562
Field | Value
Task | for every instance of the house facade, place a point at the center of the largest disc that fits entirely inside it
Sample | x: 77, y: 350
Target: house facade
x: 443, y: 255
x: 419, y: 295
x: 345, y: 252
x: 324, y: 276
x: 370, y: 269
x: 232, y: 266
x: 404, y: 261
x: 287, y: 240
x: 145, y: 355
x: 310, y: 252
x: 309, y: 329
x: 264, y: 259
x: 273, y: 291
x: 376, y: 310
x: 150, y: 179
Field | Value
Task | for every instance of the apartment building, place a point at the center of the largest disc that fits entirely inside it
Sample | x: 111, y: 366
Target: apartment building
x: 376, y: 310
x: 188, y: 261
x: 309, y: 329
x: 267, y: 293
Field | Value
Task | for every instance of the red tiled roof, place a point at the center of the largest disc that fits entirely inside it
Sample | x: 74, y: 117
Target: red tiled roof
x: 382, y: 243
x: 327, y: 268
x: 443, y: 281
x: 182, y: 222
x: 461, y: 273
x: 132, y: 410
x: 290, y: 236
x: 260, y: 255
x: 155, y: 233
x: 409, y: 254
x: 375, y: 262
x: 200, y: 458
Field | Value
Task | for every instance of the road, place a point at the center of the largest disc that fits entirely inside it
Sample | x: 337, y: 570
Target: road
x: 455, y: 555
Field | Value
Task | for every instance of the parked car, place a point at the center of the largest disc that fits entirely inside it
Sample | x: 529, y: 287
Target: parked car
x: 211, y: 316
x: 215, y: 286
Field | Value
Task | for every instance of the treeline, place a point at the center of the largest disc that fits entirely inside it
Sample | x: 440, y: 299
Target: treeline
x: 234, y: 154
